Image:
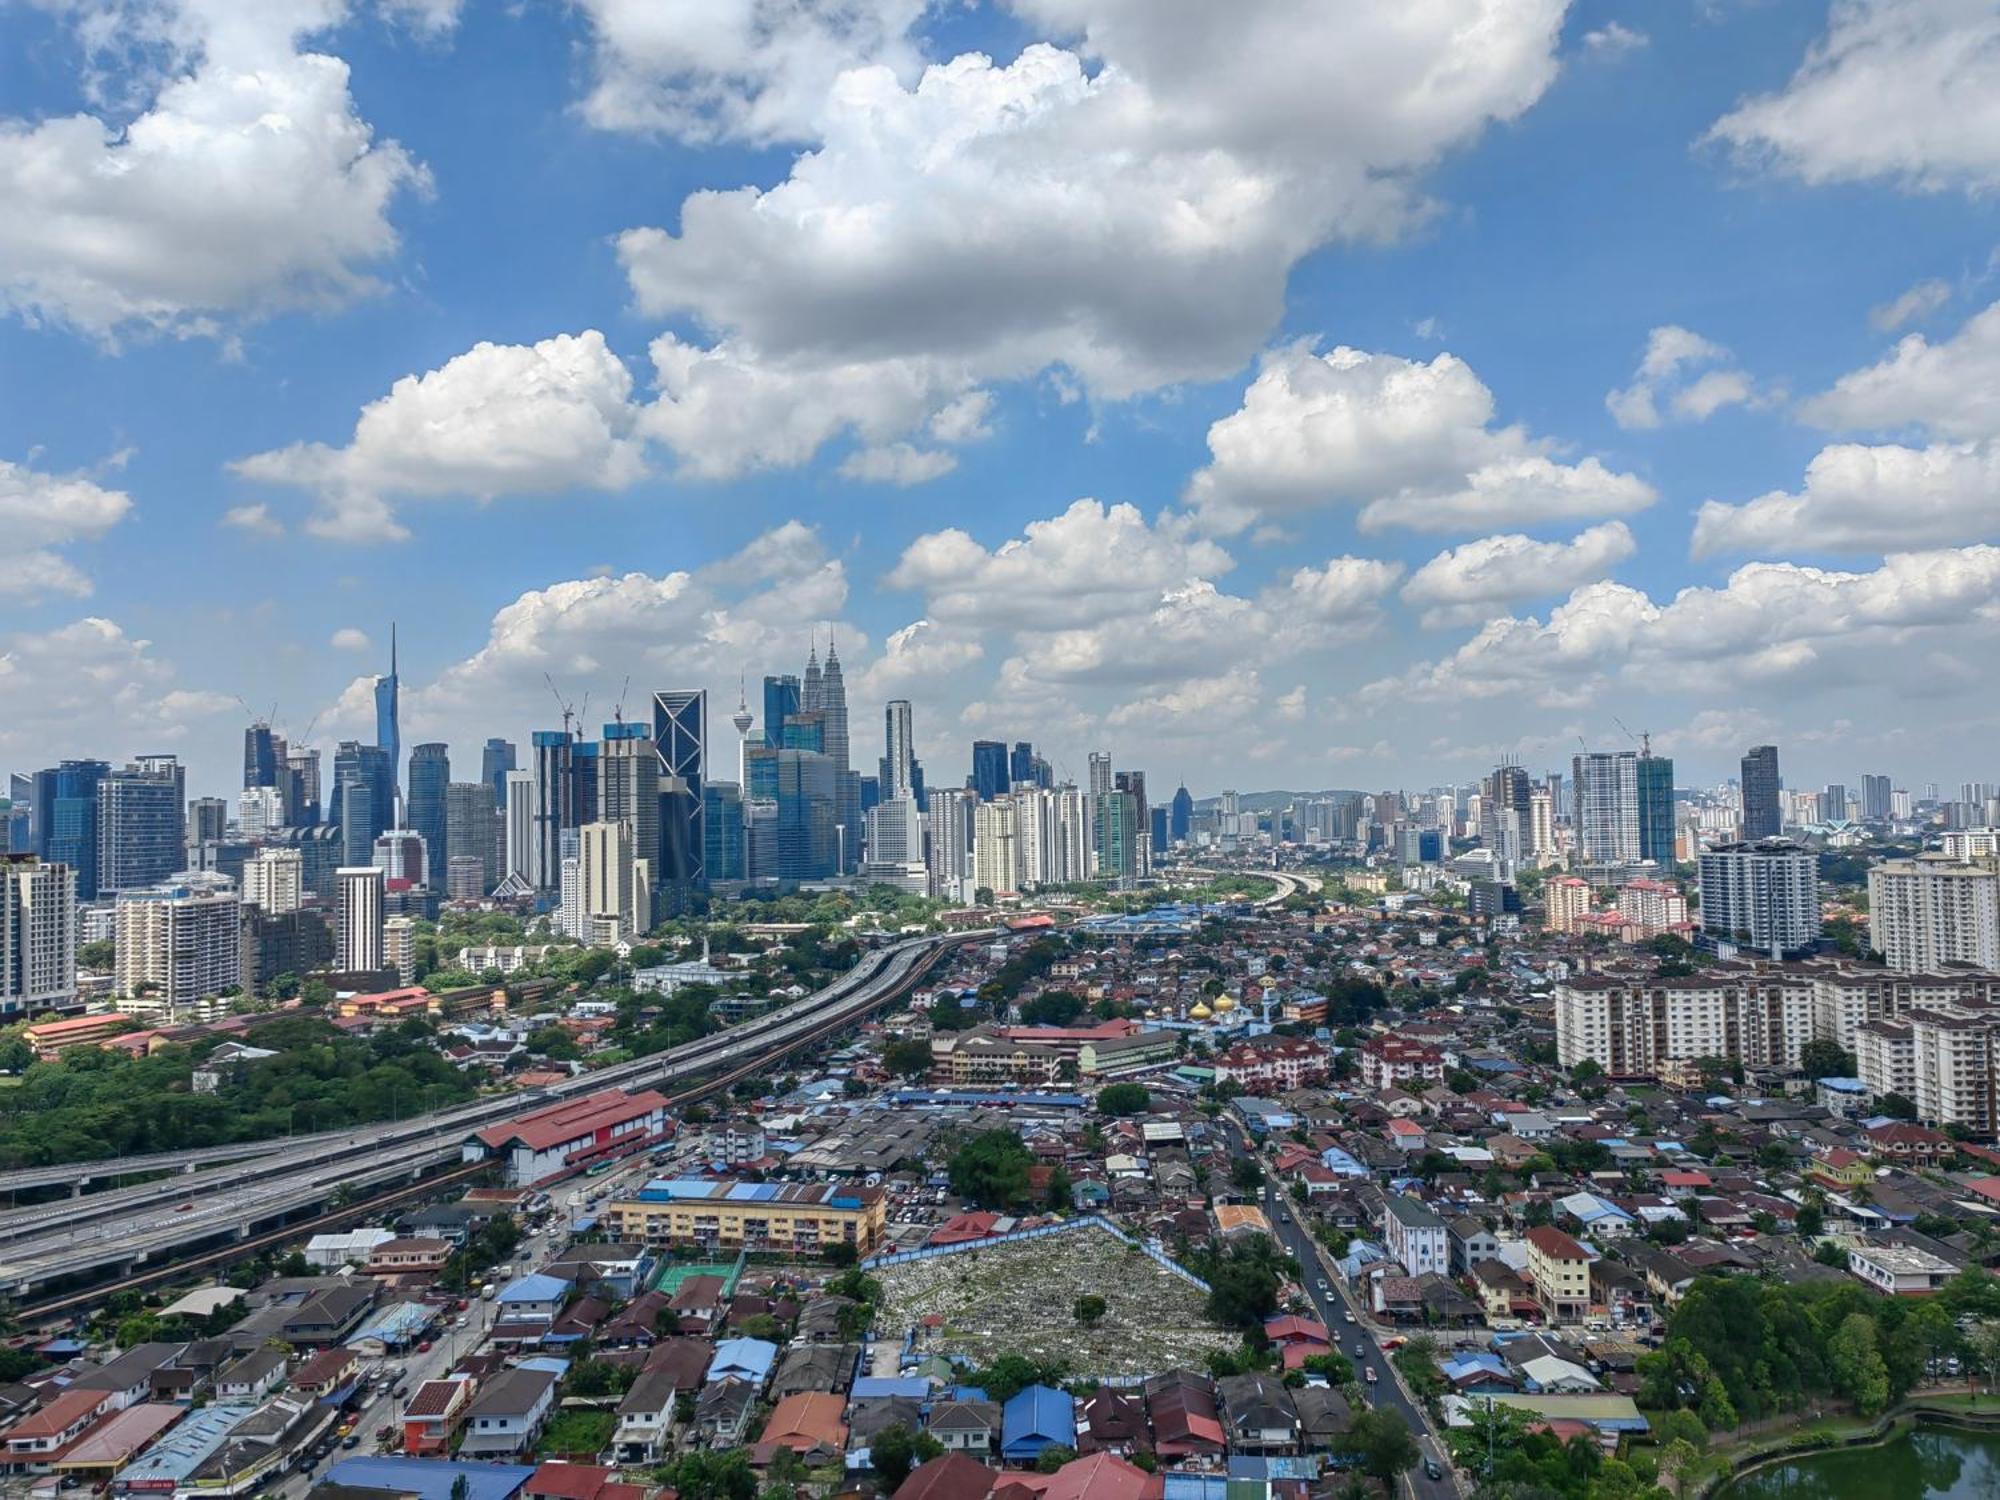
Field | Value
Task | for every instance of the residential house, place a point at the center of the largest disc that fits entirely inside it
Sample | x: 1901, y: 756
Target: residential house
x: 1899, y: 1271
x: 1471, y: 1242
x: 432, y: 1418
x: 253, y: 1377
x: 966, y: 1426
x: 508, y: 1414
x: 1414, y: 1235
x: 809, y: 1423
x: 1260, y: 1413
x: 722, y: 1411
x: 645, y: 1418
x: 953, y: 1476
x: 1037, y: 1417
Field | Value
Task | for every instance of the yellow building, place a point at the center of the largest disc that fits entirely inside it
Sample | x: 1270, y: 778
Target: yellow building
x: 726, y: 1214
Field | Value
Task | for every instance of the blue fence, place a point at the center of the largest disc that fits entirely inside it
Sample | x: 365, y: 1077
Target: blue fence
x: 1046, y: 1231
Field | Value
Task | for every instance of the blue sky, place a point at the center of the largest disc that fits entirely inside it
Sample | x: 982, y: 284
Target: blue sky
x: 922, y: 304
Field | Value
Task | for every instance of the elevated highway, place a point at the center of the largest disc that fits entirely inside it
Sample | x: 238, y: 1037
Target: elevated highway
x: 132, y: 1233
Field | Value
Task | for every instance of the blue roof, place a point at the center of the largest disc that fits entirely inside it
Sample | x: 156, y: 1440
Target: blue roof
x: 1179, y: 1486
x: 397, y: 1323
x: 1037, y: 1417
x: 746, y: 1357
x: 180, y: 1452
x: 890, y: 1385
x: 432, y: 1478
x: 535, y: 1287
x: 547, y: 1363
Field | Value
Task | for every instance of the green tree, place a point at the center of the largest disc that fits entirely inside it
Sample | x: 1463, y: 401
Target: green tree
x: 712, y: 1475
x: 1089, y: 1309
x: 1054, y: 1457
x: 98, y: 956
x: 1854, y: 1356
x: 1119, y: 1099
x: 908, y: 1057
x: 1380, y: 1442
x: 991, y: 1170
x: 896, y: 1450
x: 1825, y: 1059
x: 1052, y: 1008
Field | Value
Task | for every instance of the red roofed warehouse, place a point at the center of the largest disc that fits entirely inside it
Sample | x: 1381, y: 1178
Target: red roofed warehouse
x: 563, y: 1139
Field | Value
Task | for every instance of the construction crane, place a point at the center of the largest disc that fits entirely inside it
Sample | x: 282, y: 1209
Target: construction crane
x: 618, y: 711
x: 1644, y: 737
x: 568, y: 711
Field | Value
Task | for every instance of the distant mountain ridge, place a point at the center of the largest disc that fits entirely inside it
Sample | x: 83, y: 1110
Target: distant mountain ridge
x: 1273, y: 801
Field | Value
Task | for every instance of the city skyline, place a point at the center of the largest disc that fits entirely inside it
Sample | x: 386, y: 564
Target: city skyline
x: 1629, y: 374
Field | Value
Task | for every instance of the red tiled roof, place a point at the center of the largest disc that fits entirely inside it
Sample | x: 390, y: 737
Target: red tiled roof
x: 1554, y: 1243
x: 572, y: 1118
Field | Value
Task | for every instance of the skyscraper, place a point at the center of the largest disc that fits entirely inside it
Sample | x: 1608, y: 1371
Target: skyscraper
x: 951, y: 842
x: 472, y: 830
x: 1021, y: 765
x: 179, y: 942
x: 1506, y: 817
x: 680, y: 737
x: 388, y: 726
x: 363, y: 799
x: 628, y: 792
x: 1183, y: 815
x: 1876, y: 799
x: 781, y: 701
x: 1607, y: 806
x: 1762, y: 818
x: 522, y: 861
x: 140, y: 824
x: 495, y: 761
x: 846, y: 781
x: 430, y: 778
x: 1133, y: 783
x: 989, y: 769
x: 1656, y: 808
x: 263, y: 755
x: 552, y: 814
x: 899, y: 758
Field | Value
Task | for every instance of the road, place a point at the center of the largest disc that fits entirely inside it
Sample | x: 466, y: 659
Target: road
x: 1355, y: 1336
x: 449, y: 1346
x: 141, y: 1227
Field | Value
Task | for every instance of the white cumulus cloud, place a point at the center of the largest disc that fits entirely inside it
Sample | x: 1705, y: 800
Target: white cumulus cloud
x: 39, y: 512
x: 1466, y: 584
x: 1693, y: 376
x: 1413, y: 443
x: 1905, y: 91
x: 247, y: 183
x: 500, y: 419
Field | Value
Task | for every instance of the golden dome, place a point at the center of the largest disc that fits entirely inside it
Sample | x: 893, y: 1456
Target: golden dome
x: 1225, y: 1003
x: 1200, y: 1012
x: 1151, y: 1014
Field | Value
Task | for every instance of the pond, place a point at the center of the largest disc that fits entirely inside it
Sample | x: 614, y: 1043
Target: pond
x: 1927, y: 1464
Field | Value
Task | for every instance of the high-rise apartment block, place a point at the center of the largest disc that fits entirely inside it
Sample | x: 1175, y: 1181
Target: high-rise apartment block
x: 357, y: 920
x: 178, y: 943
x: 1760, y: 898
x: 1928, y: 912
x: 38, y: 937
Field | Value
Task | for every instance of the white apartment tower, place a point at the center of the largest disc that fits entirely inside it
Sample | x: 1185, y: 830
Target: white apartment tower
x: 1925, y: 913
x: 179, y: 943
x: 274, y: 880
x: 951, y: 843
x: 37, y: 935
x: 357, y: 939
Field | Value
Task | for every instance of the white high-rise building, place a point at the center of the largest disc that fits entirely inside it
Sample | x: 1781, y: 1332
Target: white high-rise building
x: 357, y: 933
x: 37, y: 935
x: 520, y: 828
x: 900, y: 750
x: 1760, y: 898
x: 996, y: 847
x: 1541, y: 824
x: 1607, y: 806
x: 401, y: 855
x: 1925, y: 913
x: 399, y: 948
x: 260, y: 811
x: 951, y: 843
x: 896, y: 845
x: 178, y: 943
x: 607, y: 899
x: 274, y: 879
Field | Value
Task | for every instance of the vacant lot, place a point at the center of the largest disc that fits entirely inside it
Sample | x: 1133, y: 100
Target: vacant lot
x: 1020, y: 1299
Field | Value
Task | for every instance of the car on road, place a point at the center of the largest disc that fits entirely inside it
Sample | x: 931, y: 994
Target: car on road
x: 1347, y: 1315
x: 1360, y: 1350
x: 352, y: 1440
x: 1323, y: 1286
x: 424, y: 1347
x: 1432, y: 1470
